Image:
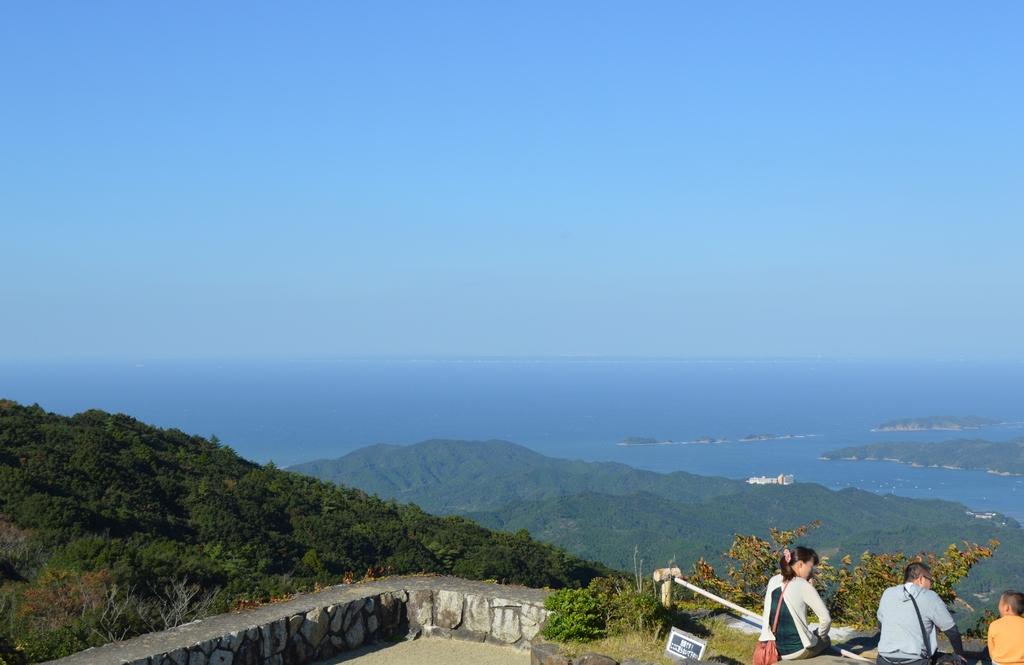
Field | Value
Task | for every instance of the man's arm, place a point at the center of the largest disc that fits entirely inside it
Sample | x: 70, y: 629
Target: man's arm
x: 953, y: 635
x: 943, y: 620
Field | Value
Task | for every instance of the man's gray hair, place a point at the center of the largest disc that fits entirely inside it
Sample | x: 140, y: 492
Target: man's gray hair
x: 915, y: 571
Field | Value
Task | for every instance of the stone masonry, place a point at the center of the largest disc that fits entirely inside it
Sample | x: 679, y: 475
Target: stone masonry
x: 316, y: 626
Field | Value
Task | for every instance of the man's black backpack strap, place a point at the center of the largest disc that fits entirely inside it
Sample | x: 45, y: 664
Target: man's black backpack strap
x: 954, y: 638
x: 924, y: 633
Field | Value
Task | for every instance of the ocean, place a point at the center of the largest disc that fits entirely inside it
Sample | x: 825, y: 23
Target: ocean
x: 290, y: 412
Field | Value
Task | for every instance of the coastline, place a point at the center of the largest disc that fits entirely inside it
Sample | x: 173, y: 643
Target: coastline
x: 918, y: 465
x: 713, y: 441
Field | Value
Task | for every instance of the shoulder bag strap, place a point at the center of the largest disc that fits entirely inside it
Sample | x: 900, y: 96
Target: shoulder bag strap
x: 924, y: 633
x: 778, y: 610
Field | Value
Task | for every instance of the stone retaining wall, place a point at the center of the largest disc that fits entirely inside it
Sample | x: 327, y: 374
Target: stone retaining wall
x: 317, y: 626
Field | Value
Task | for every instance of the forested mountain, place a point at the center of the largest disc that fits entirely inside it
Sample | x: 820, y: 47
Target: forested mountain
x: 468, y: 476
x: 604, y: 510
x: 994, y: 456
x: 104, y: 502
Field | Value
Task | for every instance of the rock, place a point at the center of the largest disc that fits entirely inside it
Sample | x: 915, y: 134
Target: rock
x: 197, y: 657
x: 297, y: 651
x: 370, y: 605
x: 275, y: 637
x: 247, y: 654
x: 177, y: 657
x: 295, y: 623
x: 448, y: 609
x: 505, y: 626
x: 466, y: 635
x: 232, y: 641
x: 338, y: 619
x: 352, y: 612
x: 438, y: 632
x: 389, y: 609
x: 274, y: 660
x: 477, y: 615
x: 356, y: 633
x: 338, y: 642
x: 252, y: 633
x: 420, y: 607
x: 222, y: 657
x: 372, y: 622
x: 594, y: 659
x: 315, y: 627
x: 547, y: 654
x: 326, y: 650
x: 532, y: 618
x: 631, y: 661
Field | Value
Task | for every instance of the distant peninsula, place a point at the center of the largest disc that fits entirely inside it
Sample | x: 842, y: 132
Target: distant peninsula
x: 1004, y: 458
x: 651, y: 441
x: 775, y: 437
x: 931, y: 423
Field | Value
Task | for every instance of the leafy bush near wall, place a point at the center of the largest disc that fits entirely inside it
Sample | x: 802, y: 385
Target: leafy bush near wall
x: 850, y: 591
x: 577, y: 615
x: 607, y: 606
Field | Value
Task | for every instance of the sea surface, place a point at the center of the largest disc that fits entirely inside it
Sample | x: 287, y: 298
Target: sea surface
x: 291, y: 412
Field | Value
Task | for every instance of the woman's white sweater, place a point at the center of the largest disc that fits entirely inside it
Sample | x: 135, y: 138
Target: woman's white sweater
x: 800, y: 595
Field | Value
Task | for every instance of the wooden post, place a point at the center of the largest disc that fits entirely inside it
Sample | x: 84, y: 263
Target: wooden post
x: 664, y: 576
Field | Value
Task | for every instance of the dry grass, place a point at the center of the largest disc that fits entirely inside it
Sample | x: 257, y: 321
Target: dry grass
x: 725, y: 645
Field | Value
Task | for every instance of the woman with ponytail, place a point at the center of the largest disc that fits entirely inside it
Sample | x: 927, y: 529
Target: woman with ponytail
x: 786, y: 601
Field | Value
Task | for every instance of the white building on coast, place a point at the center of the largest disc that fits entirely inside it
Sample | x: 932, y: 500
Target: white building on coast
x: 781, y: 479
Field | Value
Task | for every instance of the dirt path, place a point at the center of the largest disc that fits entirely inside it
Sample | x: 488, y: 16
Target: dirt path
x: 433, y: 652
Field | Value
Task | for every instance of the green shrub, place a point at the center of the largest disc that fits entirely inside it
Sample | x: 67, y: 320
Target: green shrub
x: 628, y: 610
x: 577, y: 615
x: 50, y: 645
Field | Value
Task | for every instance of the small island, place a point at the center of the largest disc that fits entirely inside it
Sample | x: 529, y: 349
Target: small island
x: 774, y: 437
x: 1004, y: 458
x: 639, y: 441
x: 710, y: 439
x: 932, y: 423
x: 651, y: 441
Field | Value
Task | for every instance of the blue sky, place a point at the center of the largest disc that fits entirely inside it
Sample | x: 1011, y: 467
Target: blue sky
x: 326, y: 179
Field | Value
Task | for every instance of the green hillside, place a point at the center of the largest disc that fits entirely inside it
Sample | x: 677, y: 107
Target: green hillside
x: 102, y: 500
x: 994, y: 456
x: 604, y: 510
x: 468, y: 476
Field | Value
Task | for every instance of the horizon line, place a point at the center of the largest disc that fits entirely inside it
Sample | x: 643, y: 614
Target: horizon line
x: 501, y: 358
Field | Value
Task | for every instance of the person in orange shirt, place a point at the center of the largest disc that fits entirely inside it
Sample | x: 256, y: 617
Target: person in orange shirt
x: 1006, y: 634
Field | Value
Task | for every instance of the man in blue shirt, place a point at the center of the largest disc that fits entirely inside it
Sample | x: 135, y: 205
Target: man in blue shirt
x: 910, y: 614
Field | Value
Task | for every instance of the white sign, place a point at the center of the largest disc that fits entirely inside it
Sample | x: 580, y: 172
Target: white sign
x: 685, y: 646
